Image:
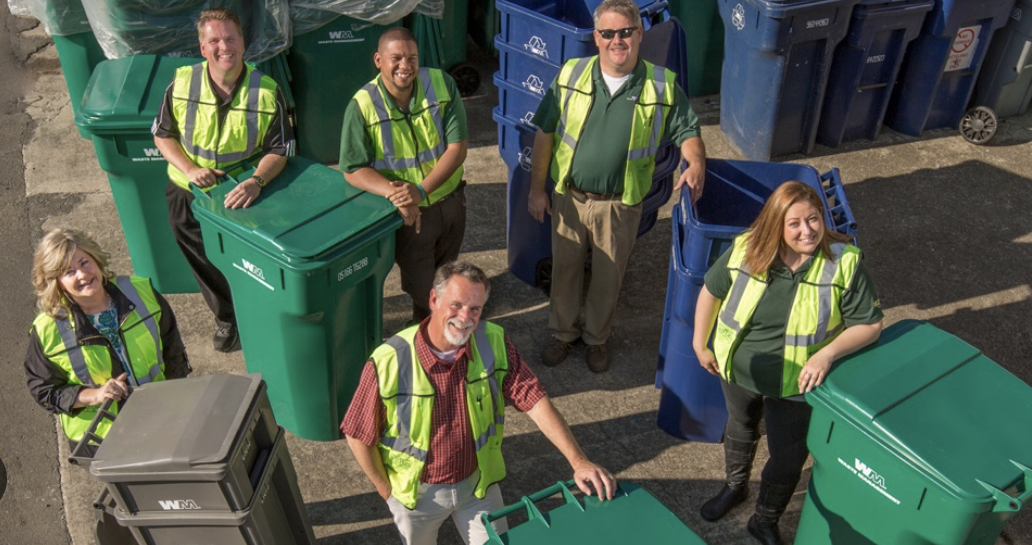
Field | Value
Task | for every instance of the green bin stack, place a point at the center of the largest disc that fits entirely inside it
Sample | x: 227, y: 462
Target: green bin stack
x: 705, y: 32
x: 306, y: 264
x: 919, y: 439
x: 121, y: 100
x: 442, y: 44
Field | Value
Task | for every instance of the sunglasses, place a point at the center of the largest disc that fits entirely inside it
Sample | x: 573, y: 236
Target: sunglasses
x: 609, y: 34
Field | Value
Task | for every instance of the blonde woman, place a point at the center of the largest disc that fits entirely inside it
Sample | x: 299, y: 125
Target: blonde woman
x: 787, y: 299
x: 97, y: 336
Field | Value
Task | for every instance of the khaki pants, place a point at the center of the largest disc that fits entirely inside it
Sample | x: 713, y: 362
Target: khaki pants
x: 437, y: 502
x: 608, y: 229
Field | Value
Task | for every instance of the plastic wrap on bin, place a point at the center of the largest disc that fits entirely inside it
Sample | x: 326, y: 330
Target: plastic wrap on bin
x: 125, y: 28
x: 308, y: 15
x: 59, y: 17
x: 431, y: 8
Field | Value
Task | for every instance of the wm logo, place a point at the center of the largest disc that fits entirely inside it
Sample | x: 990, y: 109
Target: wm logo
x: 176, y: 505
x: 869, y: 473
x: 341, y: 35
x: 152, y: 152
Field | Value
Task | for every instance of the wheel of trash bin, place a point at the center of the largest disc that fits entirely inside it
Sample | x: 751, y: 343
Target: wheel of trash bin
x: 979, y: 125
x: 467, y: 78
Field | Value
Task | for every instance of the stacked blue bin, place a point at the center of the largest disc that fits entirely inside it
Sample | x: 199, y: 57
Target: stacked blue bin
x: 943, y: 63
x: 865, y: 66
x: 777, y: 56
x: 691, y: 404
x: 537, y: 37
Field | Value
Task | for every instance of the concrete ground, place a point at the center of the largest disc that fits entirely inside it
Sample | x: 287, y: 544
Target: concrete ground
x: 945, y: 226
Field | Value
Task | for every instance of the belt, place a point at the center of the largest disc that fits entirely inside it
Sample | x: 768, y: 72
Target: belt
x: 458, y: 189
x: 594, y: 196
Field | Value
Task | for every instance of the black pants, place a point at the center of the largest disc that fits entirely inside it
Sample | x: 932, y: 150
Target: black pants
x: 187, y: 231
x: 787, y: 424
x: 418, y: 255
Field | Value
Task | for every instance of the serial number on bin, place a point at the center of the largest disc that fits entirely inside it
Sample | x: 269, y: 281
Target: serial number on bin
x: 354, y: 268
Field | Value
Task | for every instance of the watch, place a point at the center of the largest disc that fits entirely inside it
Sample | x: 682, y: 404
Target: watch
x: 261, y: 181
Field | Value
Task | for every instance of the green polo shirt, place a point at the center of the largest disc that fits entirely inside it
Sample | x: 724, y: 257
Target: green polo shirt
x: 601, y: 155
x: 356, y: 147
x: 759, y: 359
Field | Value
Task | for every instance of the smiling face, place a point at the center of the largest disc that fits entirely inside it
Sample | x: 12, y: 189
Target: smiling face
x: 398, y: 62
x: 455, y: 312
x: 222, y: 46
x: 617, y: 56
x: 803, y: 231
x: 83, y: 280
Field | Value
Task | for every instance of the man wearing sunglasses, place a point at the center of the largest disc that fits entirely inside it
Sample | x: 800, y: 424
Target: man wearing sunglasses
x: 600, y: 123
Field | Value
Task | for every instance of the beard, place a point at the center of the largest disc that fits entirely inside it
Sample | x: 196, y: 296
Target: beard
x: 457, y: 339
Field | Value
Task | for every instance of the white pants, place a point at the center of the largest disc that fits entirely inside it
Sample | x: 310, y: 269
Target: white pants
x: 436, y: 502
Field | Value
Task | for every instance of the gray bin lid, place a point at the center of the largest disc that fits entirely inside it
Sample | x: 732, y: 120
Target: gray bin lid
x: 187, y: 426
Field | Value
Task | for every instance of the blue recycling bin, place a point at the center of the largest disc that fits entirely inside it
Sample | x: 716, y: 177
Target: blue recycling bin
x: 691, y: 404
x: 943, y: 63
x: 865, y: 66
x: 777, y: 56
x: 1005, y: 83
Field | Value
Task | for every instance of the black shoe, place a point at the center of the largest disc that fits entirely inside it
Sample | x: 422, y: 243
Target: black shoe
x: 719, y: 505
x: 765, y: 532
x: 226, y: 339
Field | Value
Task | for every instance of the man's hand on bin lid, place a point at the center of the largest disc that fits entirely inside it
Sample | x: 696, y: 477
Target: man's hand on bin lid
x: 601, y: 480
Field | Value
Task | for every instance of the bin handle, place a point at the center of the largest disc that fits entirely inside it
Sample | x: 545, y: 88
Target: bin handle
x: 841, y: 213
x: 228, y: 177
x: 1024, y: 57
x: 1005, y: 503
x: 78, y: 457
x: 659, y: 9
x: 533, y: 513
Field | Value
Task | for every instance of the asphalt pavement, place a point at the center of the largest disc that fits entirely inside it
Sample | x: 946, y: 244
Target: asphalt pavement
x: 944, y: 224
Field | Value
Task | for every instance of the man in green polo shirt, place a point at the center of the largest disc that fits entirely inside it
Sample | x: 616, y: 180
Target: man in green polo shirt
x: 404, y: 138
x: 600, y: 123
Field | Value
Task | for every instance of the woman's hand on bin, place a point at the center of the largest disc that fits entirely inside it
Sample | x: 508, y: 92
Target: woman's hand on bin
x: 114, y: 389
x: 204, y: 177
x: 814, y: 372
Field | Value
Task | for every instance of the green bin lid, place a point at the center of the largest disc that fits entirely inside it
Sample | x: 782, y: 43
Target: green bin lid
x: 174, y: 426
x: 125, y: 94
x: 937, y: 403
x: 308, y: 211
x: 634, y: 515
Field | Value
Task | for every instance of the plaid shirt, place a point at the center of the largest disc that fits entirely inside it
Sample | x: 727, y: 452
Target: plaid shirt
x: 452, y: 456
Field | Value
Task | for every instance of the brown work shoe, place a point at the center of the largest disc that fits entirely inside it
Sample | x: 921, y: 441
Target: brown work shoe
x: 598, y: 358
x: 555, y: 353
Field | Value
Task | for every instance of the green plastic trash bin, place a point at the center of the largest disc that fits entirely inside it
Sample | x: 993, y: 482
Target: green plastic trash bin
x: 442, y: 44
x: 328, y: 65
x: 917, y: 439
x: 121, y: 100
x: 633, y: 516
x: 485, y: 22
x: 705, y: 32
x: 306, y: 264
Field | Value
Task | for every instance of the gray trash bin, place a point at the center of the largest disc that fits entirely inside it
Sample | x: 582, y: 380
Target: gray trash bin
x: 202, y: 461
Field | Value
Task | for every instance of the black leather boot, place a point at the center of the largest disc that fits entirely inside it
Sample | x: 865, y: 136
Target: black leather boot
x: 738, y: 458
x: 769, y: 507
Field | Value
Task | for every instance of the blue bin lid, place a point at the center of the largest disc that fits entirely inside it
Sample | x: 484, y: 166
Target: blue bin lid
x: 665, y: 45
x: 937, y: 403
x: 309, y: 211
x: 125, y: 94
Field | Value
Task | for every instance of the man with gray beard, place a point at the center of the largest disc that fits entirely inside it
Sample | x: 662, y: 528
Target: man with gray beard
x: 427, y: 420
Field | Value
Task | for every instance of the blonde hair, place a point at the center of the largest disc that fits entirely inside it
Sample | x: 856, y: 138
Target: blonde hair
x: 217, y: 14
x: 766, y: 237
x: 52, y: 258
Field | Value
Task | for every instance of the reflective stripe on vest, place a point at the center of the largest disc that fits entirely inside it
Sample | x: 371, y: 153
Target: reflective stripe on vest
x: 129, y: 290
x: 408, y: 147
x: 806, y: 331
x: 222, y: 149
x: 576, y: 96
x: 405, y: 389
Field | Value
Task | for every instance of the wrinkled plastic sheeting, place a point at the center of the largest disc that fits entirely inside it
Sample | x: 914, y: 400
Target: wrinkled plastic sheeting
x: 59, y: 17
x: 169, y: 27
x: 432, y: 8
x: 308, y: 15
